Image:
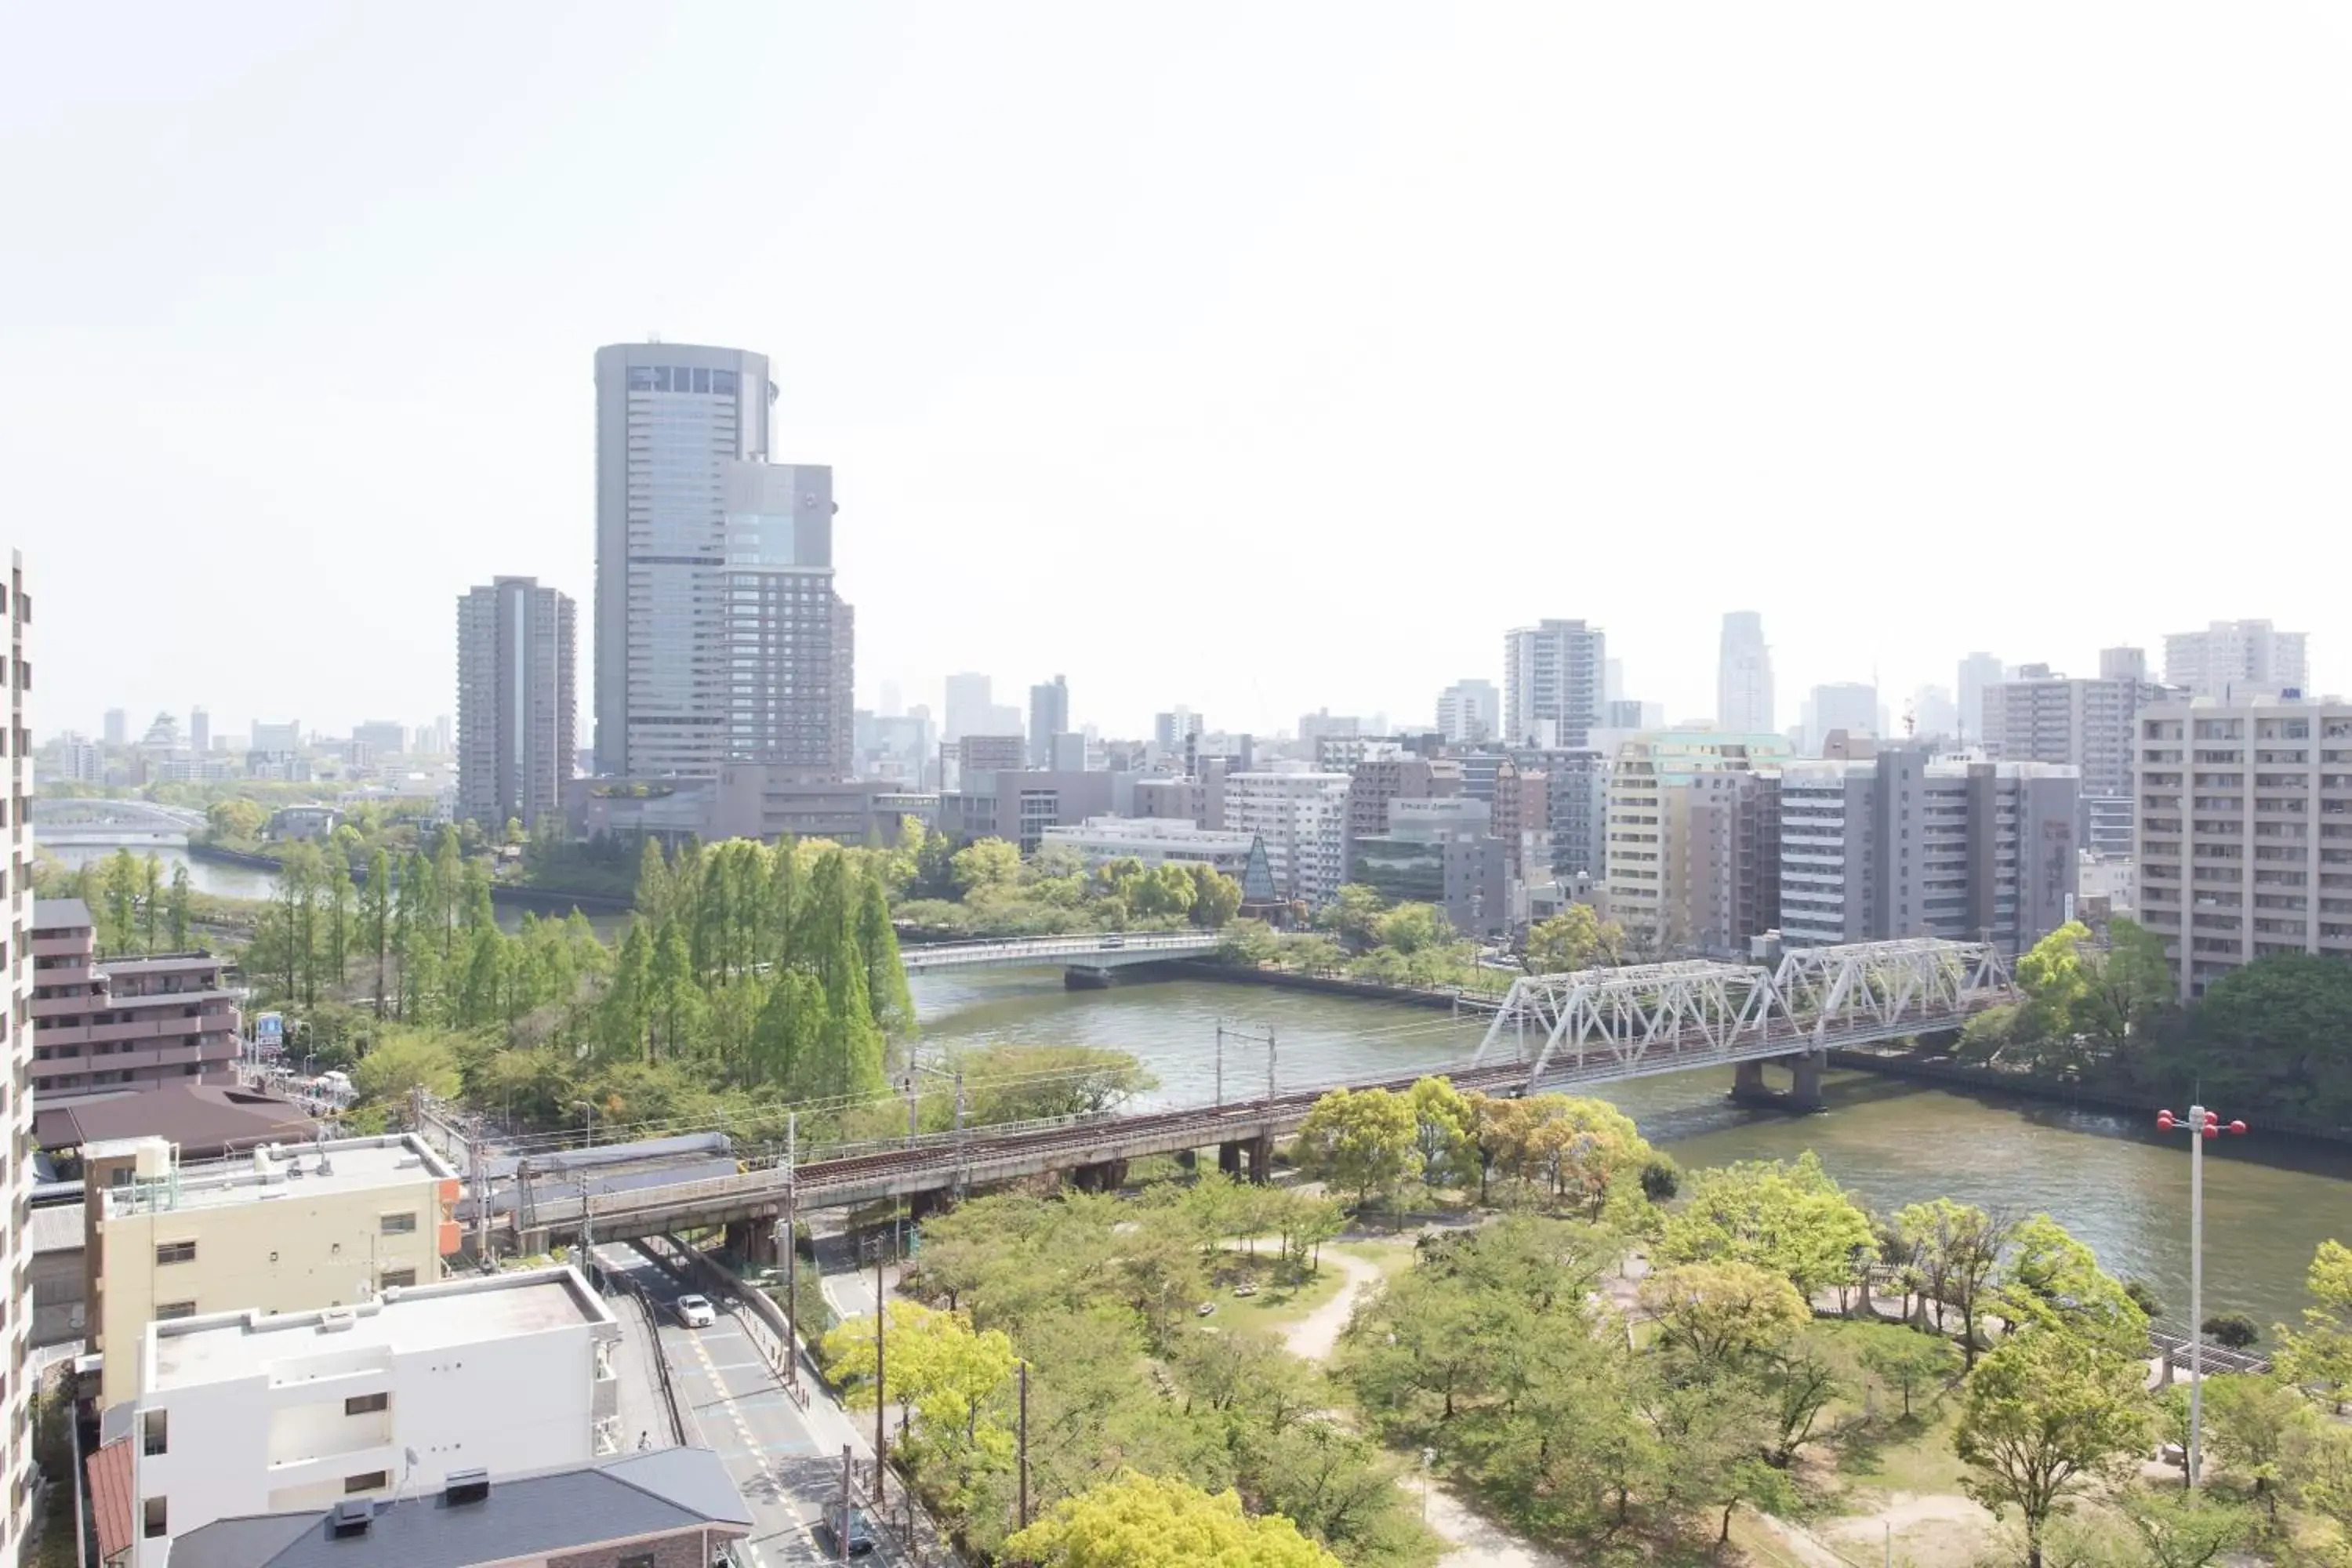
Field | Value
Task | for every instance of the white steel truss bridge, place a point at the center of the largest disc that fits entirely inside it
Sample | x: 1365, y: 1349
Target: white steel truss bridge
x: 1603, y: 1024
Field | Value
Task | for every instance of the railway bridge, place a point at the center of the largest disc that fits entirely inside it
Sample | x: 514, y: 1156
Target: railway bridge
x: 1553, y: 1032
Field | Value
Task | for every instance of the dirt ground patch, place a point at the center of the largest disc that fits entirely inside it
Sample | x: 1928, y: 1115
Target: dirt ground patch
x: 1932, y: 1530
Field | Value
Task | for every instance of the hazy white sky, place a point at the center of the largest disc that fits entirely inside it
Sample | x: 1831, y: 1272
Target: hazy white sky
x: 1252, y: 357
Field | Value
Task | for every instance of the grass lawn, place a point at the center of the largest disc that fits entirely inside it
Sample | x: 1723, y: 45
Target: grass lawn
x: 1914, y: 1456
x: 1280, y: 1302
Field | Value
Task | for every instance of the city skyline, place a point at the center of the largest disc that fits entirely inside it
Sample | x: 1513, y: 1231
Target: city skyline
x: 943, y: 346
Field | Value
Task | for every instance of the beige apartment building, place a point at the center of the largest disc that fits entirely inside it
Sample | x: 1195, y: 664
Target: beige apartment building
x: 103, y: 1026
x: 2244, y: 838
x: 287, y: 1229
x: 1677, y: 841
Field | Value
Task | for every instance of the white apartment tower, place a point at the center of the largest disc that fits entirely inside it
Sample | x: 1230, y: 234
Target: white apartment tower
x: 718, y: 636
x: 1554, y: 679
x: 1302, y: 820
x: 2236, y: 661
x: 16, y: 1098
x: 1743, y: 677
x: 2243, y: 841
x: 516, y: 707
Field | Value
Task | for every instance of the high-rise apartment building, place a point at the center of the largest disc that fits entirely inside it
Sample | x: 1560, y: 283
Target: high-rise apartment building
x: 118, y: 726
x: 200, y: 731
x: 2237, y: 661
x: 21, y: 960
x: 1909, y: 844
x: 515, y: 703
x: 2087, y: 725
x: 1470, y: 712
x: 1049, y: 715
x: 1977, y: 670
x: 1554, y: 677
x: 1301, y: 818
x: 720, y: 637
x: 1743, y: 677
x: 1653, y: 868
x: 382, y: 737
x: 2244, y: 839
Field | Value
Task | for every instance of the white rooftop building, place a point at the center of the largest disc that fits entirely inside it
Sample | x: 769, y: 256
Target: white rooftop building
x: 246, y: 1413
x: 1154, y: 840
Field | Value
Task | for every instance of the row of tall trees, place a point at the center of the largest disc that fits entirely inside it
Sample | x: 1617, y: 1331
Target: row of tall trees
x: 771, y: 970
x: 134, y: 907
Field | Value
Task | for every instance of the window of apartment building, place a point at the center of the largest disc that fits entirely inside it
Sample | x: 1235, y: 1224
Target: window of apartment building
x: 367, y: 1481
x: 366, y: 1404
x: 155, y: 1519
x: 167, y: 1311
x: 174, y: 1252
x: 154, y: 1432
x: 397, y: 1224
x: 637, y: 1560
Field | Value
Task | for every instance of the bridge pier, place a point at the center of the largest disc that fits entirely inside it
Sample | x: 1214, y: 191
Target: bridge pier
x: 1804, y: 1090
x: 1103, y: 1176
x: 1229, y: 1159
x: 1087, y: 977
x: 1188, y: 1159
x: 753, y: 1241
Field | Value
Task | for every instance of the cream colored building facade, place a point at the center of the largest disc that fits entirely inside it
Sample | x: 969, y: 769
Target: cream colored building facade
x: 1644, y: 872
x: 318, y: 1225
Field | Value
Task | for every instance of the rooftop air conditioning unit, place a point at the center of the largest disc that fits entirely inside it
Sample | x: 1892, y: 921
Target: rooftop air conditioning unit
x: 351, y: 1516
x: 466, y: 1486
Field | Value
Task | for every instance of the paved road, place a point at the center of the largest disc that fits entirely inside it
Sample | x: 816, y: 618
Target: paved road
x: 787, y: 1461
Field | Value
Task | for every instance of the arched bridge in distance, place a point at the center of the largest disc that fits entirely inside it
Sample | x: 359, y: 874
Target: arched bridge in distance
x: 1553, y: 1032
x: 1086, y: 959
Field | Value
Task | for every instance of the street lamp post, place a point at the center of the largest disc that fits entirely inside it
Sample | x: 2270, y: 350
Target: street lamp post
x: 588, y: 1109
x: 2203, y: 1126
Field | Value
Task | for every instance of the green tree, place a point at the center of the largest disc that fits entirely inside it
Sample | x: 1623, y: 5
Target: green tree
x: 1248, y: 942
x: 1958, y: 1247
x: 2043, y: 1413
x: 2275, y: 1036
x: 1720, y: 1314
x: 375, y: 918
x: 2054, y: 1280
x: 2249, y: 1423
x: 1574, y: 939
x: 176, y: 908
x: 2318, y: 1356
x: 1352, y: 914
x: 1215, y: 896
x: 1148, y: 1521
x: 118, y: 912
x: 2185, y: 1529
x: 1409, y: 929
x: 1789, y: 1217
x: 151, y: 901
x: 403, y: 1060
x: 1445, y: 1131
x: 1362, y: 1140
x: 985, y: 864
x: 235, y: 823
x: 1903, y: 1362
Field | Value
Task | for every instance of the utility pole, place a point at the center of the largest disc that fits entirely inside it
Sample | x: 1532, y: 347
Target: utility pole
x: 1023, y: 1513
x: 790, y: 1241
x: 1220, y: 1101
x: 841, y: 1533
x: 881, y: 1430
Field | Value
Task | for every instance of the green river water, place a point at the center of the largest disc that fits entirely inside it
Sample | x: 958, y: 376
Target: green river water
x: 2111, y: 1178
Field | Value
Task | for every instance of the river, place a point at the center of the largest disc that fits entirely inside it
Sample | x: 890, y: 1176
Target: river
x: 2107, y: 1178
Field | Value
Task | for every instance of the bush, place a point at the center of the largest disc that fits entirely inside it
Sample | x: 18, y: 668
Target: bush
x: 2235, y: 1331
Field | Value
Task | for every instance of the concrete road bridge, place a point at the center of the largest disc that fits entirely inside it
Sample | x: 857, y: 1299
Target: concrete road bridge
x: 1554, y: 1032
x: 98, y: 821
x: 1086, y: 959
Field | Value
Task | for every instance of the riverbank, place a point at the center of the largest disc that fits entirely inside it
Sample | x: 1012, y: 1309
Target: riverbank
x: 1443, y: 998
x: 1994, y: 1080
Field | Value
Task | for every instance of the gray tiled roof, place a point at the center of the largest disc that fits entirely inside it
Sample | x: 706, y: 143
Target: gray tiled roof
x: 656, y: 1493
x: 59, y: 914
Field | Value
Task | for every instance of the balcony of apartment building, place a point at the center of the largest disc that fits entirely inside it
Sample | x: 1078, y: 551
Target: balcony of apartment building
x: 71, y: 942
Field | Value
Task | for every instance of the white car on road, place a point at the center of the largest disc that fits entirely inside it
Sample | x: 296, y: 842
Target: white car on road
x: 695, y: 1311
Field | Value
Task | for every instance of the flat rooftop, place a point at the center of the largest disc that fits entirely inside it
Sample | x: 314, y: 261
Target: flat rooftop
x: 226, y: 1347
x: 292, y: 1170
